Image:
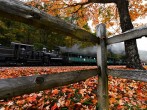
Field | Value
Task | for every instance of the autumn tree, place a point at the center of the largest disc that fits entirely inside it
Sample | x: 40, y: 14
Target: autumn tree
x: 79, y: 12
x: 12, y: 31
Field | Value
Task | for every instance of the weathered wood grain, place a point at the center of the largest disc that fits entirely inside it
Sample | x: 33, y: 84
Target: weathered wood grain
x: 102, y: 63
x: 23, y: 85
x: 131, y: 34
x: 138, y: 75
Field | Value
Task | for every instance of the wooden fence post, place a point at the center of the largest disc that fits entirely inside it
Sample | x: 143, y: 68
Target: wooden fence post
x: 102, y: 92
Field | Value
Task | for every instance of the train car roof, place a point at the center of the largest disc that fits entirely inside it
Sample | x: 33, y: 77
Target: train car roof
x: 15, y: 43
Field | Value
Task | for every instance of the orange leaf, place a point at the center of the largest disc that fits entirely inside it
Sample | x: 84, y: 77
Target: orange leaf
x: 54, y: 107
x: 67, y: 103
x: 119, y: 107
x: 94, y: 101
x: 112, y: 100
x: 55, y: 91
x: 32, y: 99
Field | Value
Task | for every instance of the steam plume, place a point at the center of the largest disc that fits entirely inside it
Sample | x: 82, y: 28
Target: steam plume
x: 114, y: 48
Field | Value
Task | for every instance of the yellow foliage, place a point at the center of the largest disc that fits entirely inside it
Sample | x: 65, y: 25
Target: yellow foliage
x: 94, y: 11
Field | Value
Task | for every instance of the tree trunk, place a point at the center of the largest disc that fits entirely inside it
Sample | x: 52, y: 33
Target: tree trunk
x: 132, y: 56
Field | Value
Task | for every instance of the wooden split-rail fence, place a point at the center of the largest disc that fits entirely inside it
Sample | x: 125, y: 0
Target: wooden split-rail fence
x: 12, y: 87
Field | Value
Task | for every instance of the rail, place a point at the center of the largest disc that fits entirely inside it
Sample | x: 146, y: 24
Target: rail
x: 18, y: 11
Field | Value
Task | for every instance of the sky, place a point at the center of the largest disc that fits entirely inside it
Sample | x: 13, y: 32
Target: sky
x: 142, y: 43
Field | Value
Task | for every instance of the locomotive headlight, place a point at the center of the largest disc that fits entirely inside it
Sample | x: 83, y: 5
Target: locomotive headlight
x: 84, y: 59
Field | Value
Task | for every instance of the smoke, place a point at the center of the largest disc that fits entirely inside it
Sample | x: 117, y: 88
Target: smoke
x: 114, y: 48
x: 143, y: 55
x: 77, y: 49
x: 117, y: 48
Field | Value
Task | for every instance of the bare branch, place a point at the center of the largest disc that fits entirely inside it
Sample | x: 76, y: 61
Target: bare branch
x: 92, y: 1
x: 102, y: 1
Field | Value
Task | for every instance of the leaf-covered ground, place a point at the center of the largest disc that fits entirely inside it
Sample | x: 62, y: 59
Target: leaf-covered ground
x: 124, y: 94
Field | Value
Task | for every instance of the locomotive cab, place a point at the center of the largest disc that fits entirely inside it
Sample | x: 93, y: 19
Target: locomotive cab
x: 25, y: 54
x: 20, y: 49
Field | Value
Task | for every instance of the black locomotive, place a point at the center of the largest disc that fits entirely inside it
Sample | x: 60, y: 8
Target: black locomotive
x: 24, y: 55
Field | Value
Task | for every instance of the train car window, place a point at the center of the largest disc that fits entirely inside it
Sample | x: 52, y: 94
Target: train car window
x: 44, y: 49
x: 65, y: 54
x: 72, y: 55
x: 29, y: 48
x: 86, y: 57
x: 22, y: 46
x: 75, y: 55
x: 68, y: 54
x: 16, y: 47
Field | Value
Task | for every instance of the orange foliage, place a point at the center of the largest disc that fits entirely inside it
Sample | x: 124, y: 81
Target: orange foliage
x: 123, y: 93
x: 54, y: 107
x: 55, y: 91
x: 98, y: 13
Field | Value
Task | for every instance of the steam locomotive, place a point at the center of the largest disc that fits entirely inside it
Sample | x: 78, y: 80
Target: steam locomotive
x: 24, y: 55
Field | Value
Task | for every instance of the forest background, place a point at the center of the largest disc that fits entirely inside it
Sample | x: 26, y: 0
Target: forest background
x: 85, y: 16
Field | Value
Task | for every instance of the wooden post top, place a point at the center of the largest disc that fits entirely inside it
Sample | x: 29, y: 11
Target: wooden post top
x: 101, y: 30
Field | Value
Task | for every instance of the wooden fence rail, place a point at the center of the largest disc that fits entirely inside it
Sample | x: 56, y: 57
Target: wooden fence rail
x: 23, y: 85
x: 138, y: 75
x: 131, y: 34
x: 16, y: 10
